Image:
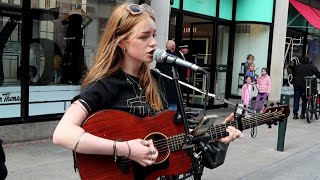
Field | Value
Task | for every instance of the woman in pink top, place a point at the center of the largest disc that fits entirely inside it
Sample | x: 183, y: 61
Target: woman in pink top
x: 247, y: 90
x: 264, y: 87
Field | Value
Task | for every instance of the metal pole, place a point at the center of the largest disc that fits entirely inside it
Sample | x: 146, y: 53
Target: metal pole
x: 285, y: 99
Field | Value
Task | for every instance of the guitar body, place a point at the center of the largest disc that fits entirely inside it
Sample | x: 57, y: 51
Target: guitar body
x: 119, y: 125
x: 167, y: 138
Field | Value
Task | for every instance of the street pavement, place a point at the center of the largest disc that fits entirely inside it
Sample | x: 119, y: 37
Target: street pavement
x: 247, y: 158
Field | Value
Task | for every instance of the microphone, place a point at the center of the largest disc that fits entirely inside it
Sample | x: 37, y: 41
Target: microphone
x: 163, y: 56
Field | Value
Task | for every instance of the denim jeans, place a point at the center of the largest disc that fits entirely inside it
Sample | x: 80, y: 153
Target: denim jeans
x: 299, y: 93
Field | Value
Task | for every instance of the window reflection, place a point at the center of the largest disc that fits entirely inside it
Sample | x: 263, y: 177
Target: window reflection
x: 57, y: 38
x: 249, y: 39
x: 10, y: 49
x: 61, y: 47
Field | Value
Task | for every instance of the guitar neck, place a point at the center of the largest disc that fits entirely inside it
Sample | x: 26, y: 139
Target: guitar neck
x: 219, y: 131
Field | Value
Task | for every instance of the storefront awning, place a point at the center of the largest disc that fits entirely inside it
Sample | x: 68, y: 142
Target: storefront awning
x: 311, y: 14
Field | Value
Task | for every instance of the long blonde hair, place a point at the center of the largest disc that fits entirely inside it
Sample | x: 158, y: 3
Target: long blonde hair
x: 109, y: 56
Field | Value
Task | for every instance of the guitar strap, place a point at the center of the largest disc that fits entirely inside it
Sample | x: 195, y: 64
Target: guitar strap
x: 74, y: 161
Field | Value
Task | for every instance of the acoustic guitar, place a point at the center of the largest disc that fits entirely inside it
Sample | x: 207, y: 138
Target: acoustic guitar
x: 167, y: 137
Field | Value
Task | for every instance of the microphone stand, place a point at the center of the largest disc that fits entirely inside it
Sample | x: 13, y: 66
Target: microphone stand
x: 207, y: 93
x: 188, y: 137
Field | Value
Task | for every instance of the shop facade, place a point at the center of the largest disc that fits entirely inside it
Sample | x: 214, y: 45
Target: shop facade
x: 302, y: 37
x: 44, y: 53
x: 221, y: 34
x: 35, y: 48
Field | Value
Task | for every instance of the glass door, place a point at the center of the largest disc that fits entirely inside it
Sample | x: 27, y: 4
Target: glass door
x: 221, y: 62
x: 201, y: 53
x: 209, y: 45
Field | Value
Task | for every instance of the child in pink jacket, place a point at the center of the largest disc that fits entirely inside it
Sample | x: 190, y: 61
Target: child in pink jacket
x: 264, y: 87
x: 247, y: 89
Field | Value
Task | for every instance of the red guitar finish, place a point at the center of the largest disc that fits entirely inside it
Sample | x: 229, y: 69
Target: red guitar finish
x: 167, y: 137
x: 114, y: 124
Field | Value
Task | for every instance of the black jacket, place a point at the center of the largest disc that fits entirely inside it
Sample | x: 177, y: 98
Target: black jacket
x: 182, y: 71
x: 301, y: 71
x: 170, y: 88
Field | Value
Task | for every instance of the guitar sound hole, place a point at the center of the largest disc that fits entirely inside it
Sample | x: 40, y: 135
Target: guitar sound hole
x: 161, y: 143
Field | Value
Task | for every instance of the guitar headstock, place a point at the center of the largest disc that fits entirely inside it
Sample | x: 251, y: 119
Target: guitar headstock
x: 277, y: 113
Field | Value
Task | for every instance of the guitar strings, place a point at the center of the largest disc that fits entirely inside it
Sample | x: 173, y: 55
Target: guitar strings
x: 177, y: 141
x: 261, y: 118
x: 163, y: 145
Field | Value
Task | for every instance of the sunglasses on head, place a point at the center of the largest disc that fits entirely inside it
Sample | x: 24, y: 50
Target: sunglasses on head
x: 138, y: 9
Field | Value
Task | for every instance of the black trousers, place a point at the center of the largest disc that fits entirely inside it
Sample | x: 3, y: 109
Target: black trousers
x: 73, y: 62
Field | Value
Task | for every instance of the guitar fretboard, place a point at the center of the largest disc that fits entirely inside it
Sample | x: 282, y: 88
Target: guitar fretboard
x: 219, y: 131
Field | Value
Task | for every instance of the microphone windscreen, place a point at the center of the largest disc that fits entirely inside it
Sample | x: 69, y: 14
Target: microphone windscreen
x: 158, y: 55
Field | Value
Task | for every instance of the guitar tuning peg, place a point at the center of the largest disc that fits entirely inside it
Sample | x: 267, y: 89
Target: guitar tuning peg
x: 278, y: 103
x: 275, y: 123
x: 271, y: 104
x: 265, y: 105
x: 269, y: 126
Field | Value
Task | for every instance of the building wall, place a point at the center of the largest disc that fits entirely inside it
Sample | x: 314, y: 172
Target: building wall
x: 162, y: 14
x: 278, y: 48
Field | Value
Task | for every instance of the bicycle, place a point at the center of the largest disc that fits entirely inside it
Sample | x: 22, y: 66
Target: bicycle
x: 313, y: 98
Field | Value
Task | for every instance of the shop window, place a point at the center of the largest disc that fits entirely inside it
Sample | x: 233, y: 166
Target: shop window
x: 63, y: 47
x: 11, y: 51
x: 314, y: 51
x: 172, y: 26
x: 11, y: 2
x: 44, y: 4
x: 10, y: 62
x: 249, y: 39
x: 49, y: 92
x: 10, y: 57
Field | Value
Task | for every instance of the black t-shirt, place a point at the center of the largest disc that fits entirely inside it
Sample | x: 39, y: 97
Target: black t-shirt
x: 117, y: 92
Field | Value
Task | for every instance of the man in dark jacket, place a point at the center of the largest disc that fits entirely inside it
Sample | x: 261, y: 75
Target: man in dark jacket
x: 183, y: 72
x: 3, y: 169
x: 165, y: 68
x: 301, y: 71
